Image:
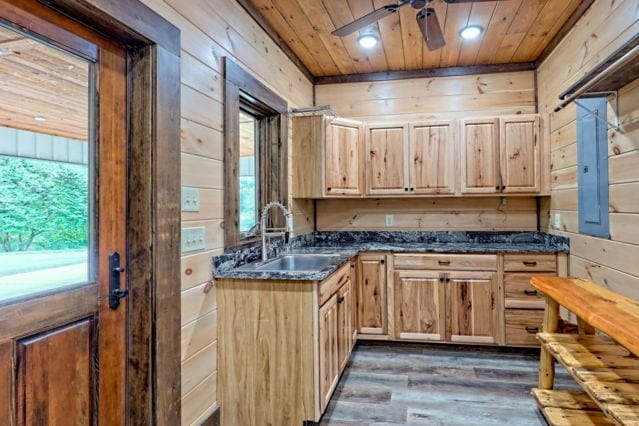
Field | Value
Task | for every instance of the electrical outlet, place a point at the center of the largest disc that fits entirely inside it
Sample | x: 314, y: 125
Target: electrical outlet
x: 389, y: 220
x: 193, y: 239
x: 557, y: 224
x: 190, y: 199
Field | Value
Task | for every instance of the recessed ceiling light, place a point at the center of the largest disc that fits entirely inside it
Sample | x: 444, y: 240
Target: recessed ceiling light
x: 368, y: 41
x: 470, y: 32
x: 5, y: 52
x: 39, y: 118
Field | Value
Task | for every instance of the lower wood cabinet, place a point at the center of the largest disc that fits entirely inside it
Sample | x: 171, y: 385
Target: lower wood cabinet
x: 372, y: 303
x: 419, y: 312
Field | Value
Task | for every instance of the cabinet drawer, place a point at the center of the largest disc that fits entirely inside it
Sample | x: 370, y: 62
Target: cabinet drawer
x: 463, y: 262
x: 530, y: 262
x: 522, y: 325
x: 331, y: 284
x: 520, y: 294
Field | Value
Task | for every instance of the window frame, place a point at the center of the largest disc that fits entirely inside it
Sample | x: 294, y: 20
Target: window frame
x: 245, y: 92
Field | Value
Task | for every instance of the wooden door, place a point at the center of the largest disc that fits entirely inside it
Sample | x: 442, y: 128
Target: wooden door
x: 432, y: 160
x: 386, y: 159
x: 345, y: 323
x: 419, y: 310
x: 371, y: 294
x: 471, y: 311
x: 480, y: 156
x: 59, y: 330
x: 329, y: 363
x: 519, y: 154
x: 342, y: 158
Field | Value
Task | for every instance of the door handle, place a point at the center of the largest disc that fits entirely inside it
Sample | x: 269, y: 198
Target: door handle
x: 115, y: 270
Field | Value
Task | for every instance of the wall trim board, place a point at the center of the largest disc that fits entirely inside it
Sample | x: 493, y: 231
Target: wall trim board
x: 424, y: 73
x: 268, y: 29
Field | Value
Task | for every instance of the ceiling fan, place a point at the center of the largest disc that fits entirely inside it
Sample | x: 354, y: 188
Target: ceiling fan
x: 426, y: 19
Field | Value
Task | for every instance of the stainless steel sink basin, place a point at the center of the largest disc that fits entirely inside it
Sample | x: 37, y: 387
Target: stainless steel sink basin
x: 294, y: 263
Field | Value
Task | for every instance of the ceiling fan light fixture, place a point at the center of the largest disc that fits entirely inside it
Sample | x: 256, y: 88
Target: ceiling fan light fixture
x: 471, y: 32
x: 368, y: 41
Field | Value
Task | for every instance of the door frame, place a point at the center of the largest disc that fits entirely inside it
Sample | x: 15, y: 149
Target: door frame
x: 153, y: 199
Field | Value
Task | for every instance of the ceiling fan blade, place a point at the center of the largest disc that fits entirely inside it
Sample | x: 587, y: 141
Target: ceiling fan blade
x: 366, y: 20
x: 431, y: 30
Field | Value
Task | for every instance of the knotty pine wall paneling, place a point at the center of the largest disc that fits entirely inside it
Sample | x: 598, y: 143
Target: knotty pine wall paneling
x: 210, y: 30
x: 431, y: 99
x: 606, y: 26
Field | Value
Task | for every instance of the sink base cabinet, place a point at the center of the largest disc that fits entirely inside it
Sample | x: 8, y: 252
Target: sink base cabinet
x: 280, y: 354
x: 419, y: 305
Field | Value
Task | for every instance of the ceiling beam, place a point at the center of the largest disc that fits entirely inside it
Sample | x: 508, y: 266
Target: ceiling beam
x: 564, y: 30
x: 426, y: 73
x: 279, y: 41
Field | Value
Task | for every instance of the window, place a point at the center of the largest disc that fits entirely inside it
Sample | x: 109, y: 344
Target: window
x: 255, y: 154
x: 592, y: 153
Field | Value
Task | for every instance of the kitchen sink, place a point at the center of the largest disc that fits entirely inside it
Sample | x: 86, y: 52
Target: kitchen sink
x: 299, y: 262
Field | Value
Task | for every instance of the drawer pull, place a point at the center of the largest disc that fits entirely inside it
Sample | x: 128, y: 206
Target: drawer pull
x: 530, y: 292
x: 444, y: 262
x: 532, y: 330
x: 530, y: 263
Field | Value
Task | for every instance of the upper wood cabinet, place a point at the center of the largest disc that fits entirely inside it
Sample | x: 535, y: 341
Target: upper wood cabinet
x: 519, y: 154
x: 387, y: 158
x: 342, y: 163
x: 480, y: 156
x: 327, y: 157
x: 500, y: 155
x: 431, y: 156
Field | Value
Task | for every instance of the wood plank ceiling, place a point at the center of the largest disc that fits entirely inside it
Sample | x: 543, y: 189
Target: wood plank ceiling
x: 515, y: 31
x: 37, y: 80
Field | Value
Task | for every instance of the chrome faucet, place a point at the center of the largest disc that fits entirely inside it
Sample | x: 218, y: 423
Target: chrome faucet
x: 275, y: 232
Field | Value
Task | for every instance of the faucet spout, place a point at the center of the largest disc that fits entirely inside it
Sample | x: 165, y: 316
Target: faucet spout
x: 273, y: 232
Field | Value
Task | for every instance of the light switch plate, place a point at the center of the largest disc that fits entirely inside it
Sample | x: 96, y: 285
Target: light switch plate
x: 190, y: 199
x: 557, y: 224
x: 193, y: 239
x: 389, y: 220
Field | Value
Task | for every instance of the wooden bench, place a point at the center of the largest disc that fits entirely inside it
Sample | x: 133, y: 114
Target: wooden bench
x: 605, y: 366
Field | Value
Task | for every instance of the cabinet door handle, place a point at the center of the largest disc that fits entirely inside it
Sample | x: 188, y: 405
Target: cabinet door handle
x: 406, y: 189
x: 328, y: 189
x: 444, y: 262
x: 530, y: 292
x: 530, y: 263
x: 381, y: 262
x: 340, y: 299
x: 532, y: 330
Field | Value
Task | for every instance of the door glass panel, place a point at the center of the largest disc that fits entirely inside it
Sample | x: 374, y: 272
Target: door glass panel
x: 249, y: 182
x: 45, y: 167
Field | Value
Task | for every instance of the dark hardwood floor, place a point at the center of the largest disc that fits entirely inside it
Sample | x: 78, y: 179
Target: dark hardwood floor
x: 392, y: 384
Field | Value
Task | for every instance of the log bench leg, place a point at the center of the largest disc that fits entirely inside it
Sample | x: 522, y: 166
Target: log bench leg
x: 584, y: 328
x: 546, y: 361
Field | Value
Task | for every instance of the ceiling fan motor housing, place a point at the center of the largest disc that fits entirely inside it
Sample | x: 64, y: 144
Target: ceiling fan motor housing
x: 418, y: 4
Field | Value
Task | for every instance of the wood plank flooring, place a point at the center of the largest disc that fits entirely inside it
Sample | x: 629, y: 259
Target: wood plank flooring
x: 393, y: 384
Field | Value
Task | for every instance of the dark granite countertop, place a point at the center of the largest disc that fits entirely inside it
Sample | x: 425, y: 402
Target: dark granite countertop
x: 349, y: 244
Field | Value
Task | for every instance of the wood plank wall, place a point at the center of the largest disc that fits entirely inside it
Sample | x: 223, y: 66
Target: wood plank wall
x: 610, y: 263
x: 211, y: 30
x: 426, y: 99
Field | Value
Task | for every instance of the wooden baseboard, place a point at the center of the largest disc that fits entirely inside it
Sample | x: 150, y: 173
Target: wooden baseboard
x: 214, y: 418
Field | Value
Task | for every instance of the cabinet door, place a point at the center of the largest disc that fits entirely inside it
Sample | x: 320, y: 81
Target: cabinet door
x: 419, y: 305
x: 471, y: 307
x: 328, y: 350
x: 386, y: 158
x: 519, y: 154
x: 343, y: 146
x: 432, y: 158
x: 344, y: 323
x: 371, y: 294
x: 480, y: 156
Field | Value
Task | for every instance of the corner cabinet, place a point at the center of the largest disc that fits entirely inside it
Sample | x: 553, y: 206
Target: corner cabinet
x: 500, y: 155
x: 327, y: 157
x: 292, y: 338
